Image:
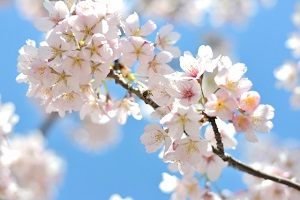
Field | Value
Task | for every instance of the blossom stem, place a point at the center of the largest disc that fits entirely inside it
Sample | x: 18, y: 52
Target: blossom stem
x: 233, y: 162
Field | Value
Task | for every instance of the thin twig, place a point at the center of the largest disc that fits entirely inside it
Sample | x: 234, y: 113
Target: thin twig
x: 220, y: 149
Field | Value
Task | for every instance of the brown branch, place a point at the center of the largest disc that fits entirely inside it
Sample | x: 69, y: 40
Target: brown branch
x: 248, y: 169
x: 218, y: 136
x: 48, y: 122
x: 220, y: 149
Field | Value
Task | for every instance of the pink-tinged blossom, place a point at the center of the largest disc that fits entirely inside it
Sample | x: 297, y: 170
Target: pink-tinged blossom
x: 98, y: 50
x: 249, y: 101
x: 28, y: 54
x: 154, y: 138
x: 66, y: 102
x: 99, y: 72
x: 60, y: 83
x: 227, y: 132
x: 54, y: 49
x: 230, y: 79
x: 258, y: 120
x: 177, y: 165
x: 182, y: 120
x: 212, y: 165
x: 137, y: 49
x: 7, y: 119
x: 85, y: 27
x: 207, y: 194
x: 64, y: 30
x: 188, y: 187
x: 132, y: 27
x: 165, y: 40
x: 221, y: 104
x: 38, y: 72
x: 30, y: 155
x: 187, y: 92
x: 77, y: 65
x: 58, y: 11
x: 287, y: 76
x: 190, y: 151
x: 158, y: 86
x: 123, y: 108
x: 191, y: 66
x: 94, y: 107
x: 156, y: 65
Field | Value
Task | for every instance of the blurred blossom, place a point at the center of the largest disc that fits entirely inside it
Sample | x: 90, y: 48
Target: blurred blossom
x: 218, y: 43
x: 287, y: 75
x: 7, y: 119
x: 220, y: 11
x: 30, y: 171
x: 96, y: 137
x: 118, y: 197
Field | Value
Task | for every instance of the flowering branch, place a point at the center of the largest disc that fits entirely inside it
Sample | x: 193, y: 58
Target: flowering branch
x: 233, y: 162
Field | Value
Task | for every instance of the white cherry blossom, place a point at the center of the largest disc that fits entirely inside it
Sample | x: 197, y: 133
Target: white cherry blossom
x: 154, y: 138
x: 132, y: 27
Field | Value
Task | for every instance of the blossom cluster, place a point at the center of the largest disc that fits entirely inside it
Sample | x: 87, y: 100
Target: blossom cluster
x: 87, y: 44
x: 28, y: 170
x: 207, y: 88
x: 287, y: 74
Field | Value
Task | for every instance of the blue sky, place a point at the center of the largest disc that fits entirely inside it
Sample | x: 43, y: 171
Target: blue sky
x: 126, y: 168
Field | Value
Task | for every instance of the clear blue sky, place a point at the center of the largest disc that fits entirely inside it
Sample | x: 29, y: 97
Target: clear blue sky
x: 127, y: 169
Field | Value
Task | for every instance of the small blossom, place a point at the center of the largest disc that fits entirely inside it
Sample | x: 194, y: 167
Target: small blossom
x: 138, y: 49
x: 220, y: 104
x: 131, y: 26
x: 182, y: 120
x: 165, y: 39
x: 154, y: 138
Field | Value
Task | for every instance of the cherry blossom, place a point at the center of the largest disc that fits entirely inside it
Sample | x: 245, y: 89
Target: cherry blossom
x: 157, y: 65
x: 258, y: 120
x: 124, y: 108
x: 212, y: 165
x: 187, y: 92
x: 190, y: 151
x: 182, y: 120
x: 58, y: 11
x: 230, y: 79
x: 132, y: 27
x: 136, y: 49
x: 154, y: 138
x: 165, y: 39
x: 220, y: 104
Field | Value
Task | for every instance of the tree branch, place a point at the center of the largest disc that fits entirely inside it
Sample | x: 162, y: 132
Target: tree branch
x: 47, y: 123
x: 119, y: 79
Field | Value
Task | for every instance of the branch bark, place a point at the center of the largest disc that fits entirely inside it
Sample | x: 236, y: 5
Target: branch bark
x: 233, y: 162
